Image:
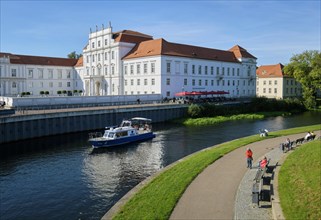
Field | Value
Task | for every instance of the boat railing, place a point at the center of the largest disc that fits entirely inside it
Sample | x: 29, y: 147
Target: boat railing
x: 95, y: 134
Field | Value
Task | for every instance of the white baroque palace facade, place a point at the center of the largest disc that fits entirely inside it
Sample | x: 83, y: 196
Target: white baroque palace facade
x: 132, y: 63
x: 271, y: 82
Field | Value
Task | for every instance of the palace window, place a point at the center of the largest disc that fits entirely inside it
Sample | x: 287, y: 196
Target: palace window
x: 168, y: 81
x: 126, y: 70
x: 138, y: 68
x: 145, y: 82
x: 193, y: 82
x: 138, y: 82
x: 30, y: 73
x: 206, y: 70
x: 131, y: 69
x: 199, y: 69
x: 217, y: 71
x: 185, y: 82
x: 59, y: 74
x: 199, y: 82
x: 14, y: 73
x: 185, y: 68
x: 68, y: 84
x: 153, y: 82
x: 131, y: 82
x: 152, y: 67
x: 145, y: 68
x: 212, y: 70
x: 168, y: 67
x: 40, y: 71
x: 193, y: 69
x: 14, y: 85
x: 99, y: 43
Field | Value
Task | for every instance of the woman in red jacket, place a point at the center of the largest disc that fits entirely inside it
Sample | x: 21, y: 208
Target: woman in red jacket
x: 249, y: 157
x: 263, y: 163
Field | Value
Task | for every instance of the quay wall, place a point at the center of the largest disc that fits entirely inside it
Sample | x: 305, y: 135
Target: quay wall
x: 20, y: 127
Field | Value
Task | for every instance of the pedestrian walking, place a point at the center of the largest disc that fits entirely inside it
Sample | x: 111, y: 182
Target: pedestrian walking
x: 249, y: 157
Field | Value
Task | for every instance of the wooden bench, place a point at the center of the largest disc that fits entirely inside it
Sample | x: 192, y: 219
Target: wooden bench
x: 258, y: 184
x: 311, y: 138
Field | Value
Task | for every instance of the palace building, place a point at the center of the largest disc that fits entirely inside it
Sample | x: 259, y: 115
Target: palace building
x: 131, y: 63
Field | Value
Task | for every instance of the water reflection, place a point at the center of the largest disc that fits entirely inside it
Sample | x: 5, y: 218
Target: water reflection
x: 61, y: 177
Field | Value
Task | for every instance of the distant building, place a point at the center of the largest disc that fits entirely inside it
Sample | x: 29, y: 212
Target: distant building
x: 271, y: 82
x: 22, y: 73
x: 130, y: 63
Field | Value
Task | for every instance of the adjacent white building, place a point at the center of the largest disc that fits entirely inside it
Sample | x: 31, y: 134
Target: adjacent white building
x: 271, y: 82
x: 132, y: 63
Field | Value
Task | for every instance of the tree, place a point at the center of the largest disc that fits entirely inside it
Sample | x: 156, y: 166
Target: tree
x: 74, y: 55
x: 306, y: 69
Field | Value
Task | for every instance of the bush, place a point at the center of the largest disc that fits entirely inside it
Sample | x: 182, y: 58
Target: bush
x: 28, y: 93
x: 42, y: 92
x: 46, y: 92
x: 64, y: 91
x: 195, y: 111
x: 59, y: 92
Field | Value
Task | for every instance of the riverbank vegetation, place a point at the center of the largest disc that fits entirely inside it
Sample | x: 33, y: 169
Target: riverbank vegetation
x: 299, y: 183
x: 158, y: 197
x: 258, y: 108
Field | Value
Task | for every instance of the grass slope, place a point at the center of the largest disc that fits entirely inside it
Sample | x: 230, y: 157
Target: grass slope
x: 159, y: 197
x: 219, y: 119
x: 300, y: 183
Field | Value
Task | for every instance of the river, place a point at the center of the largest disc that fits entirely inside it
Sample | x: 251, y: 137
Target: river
x: 62, y: 177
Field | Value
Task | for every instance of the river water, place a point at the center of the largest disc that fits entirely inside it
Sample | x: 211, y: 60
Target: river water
x: 61, y: 177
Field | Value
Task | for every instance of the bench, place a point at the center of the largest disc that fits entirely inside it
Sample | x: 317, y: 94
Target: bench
x: 258, y: 184
x: 285, y: 147
x: 311, y: 138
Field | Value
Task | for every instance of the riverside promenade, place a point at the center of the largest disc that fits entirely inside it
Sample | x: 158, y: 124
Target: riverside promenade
x: 224, y: 189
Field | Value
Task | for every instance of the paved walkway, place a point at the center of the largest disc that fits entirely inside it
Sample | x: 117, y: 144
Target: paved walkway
x: 223, y: 189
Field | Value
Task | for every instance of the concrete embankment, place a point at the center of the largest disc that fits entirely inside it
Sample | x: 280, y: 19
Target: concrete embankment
x: 31, y: 124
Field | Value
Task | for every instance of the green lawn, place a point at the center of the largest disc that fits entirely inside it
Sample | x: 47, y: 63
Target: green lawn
x: 220, y: 119
x: 158, y: 198
x: 300, y: 183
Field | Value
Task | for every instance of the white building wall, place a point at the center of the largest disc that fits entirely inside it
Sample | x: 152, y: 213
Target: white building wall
x: 206, y: 75
x: 141, y: 79
x: 278, y: 87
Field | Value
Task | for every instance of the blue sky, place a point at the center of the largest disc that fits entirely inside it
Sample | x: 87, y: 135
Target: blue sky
x: 273, y: 31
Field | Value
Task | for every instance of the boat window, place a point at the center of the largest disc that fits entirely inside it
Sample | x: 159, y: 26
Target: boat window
x: 106, y: 134
x: 111, y: 135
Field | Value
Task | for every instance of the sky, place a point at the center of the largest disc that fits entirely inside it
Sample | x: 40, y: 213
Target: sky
x: 272, y: 31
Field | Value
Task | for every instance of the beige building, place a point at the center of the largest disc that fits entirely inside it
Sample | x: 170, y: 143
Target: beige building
x: 271, y: 82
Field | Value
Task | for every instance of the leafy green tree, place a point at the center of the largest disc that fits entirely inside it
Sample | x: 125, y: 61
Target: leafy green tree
x: 306, y: 69
x: 74, y: 55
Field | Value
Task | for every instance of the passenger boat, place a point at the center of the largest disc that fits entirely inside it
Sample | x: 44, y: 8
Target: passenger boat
x: 129, y: 131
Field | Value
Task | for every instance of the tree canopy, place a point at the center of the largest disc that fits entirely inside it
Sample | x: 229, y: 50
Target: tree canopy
x: 74, y: 55
x: 306, y: 69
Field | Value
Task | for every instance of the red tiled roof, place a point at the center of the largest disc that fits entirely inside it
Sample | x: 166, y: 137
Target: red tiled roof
x: 270, y: 71
x: 37, y: 60
x: 241, y: 52
x: 80, y: 61
x: 129, y: 36
x: 162, y: 47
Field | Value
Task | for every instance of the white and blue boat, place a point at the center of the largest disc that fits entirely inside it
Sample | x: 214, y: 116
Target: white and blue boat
x: 131, y: 130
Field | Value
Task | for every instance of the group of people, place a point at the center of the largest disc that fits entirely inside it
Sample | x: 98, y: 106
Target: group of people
x: 309, y: 134
x: 249, y: 159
